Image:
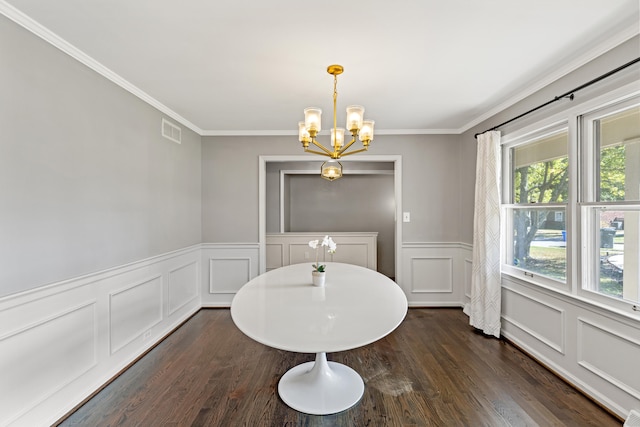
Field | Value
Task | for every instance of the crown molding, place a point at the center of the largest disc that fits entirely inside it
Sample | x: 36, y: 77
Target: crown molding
x: 290, y: 132
x: 631, y: 30
x: 287, y: 132
x: 50, y: 37
x: 29, y: 24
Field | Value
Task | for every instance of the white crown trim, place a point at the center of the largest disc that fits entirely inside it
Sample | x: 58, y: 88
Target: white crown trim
x: 28, y: 23
x: 47, y: 35
x: 598, y: 50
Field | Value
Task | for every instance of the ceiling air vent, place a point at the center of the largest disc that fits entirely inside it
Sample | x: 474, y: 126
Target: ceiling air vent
x: 171, y: 131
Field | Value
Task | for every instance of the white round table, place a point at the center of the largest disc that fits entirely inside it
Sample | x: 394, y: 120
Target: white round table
x: 283, y: 310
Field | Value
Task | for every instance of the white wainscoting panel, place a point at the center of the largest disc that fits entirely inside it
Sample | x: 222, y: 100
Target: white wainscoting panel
x: 61, y: 342
x: 549, y: 327
x: 228, y: 267
x: 293, y: 248
x: 433, y: 274
x: 438, y: 270
x: 41, y: 359
x: 228, y: 275
x: 301, y: 252
x: 468, y: 269
x: 274, y: 255
x: 184, y: 284
x: 134, y: 310
x: 619, y: 364
x: 361, y: 253
x: 594, y: 348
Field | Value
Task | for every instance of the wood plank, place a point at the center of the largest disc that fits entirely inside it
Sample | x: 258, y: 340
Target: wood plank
x: 434, y: 370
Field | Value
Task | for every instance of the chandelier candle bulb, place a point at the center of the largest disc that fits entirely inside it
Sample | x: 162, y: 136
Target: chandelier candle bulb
x: 366, y: 133
x: 303, y: 133
x: 312, y: 119
x: 355, y: 115
x: 337, y: 137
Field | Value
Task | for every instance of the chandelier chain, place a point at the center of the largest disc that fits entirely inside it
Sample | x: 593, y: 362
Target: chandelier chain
x: 335, y: 102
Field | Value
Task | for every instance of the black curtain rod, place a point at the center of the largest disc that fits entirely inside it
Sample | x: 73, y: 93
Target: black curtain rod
x: 568, y: 94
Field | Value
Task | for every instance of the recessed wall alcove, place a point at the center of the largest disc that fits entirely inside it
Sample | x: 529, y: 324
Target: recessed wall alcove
x: 294, y: 198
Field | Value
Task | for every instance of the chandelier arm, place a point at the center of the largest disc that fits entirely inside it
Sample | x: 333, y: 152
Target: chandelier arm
x: 355, y: 151
x: 346, y: 147
x: 306, y: 150
x: 322, y: 147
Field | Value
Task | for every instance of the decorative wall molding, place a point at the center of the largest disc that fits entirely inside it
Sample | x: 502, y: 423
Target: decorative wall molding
x: 466, y: 246
x: 133, y: 310
x: 359, y: 248
x: 226, y: 267
x: 47, y: 35
x: 553, y: 314
x: 601, y: 348
x: 468, y: 270
x: 618, y: 365
x: 439, y: 270
x: 78, y: 351
x: 69, y: 338
x: 183, y: 285
x: 90, y: 279
x: 262, y: 192
x: 580, y: 302
x: 163, y: 291
x: 435, y: 245
x: 622, y: 35
x: 228, y: 274
x: 44, y: 33
x: 433, y: 273
x: 275, y: 255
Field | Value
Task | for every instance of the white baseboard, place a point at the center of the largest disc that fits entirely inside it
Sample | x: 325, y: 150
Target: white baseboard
x: 62, y: 342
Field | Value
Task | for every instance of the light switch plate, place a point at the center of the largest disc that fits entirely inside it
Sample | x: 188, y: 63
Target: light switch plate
x: 406, y: 217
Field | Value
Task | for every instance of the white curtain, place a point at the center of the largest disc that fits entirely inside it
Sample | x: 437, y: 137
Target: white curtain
x: 485, y: 308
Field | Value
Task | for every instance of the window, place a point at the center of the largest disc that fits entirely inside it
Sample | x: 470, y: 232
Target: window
x: 610, y: 207
x: 537, y: 195
x: 571, y: 200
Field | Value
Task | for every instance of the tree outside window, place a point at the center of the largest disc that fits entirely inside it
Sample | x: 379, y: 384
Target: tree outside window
x: 540, y: 185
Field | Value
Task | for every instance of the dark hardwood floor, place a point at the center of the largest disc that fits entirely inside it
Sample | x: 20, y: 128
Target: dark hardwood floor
x: 434, y: 370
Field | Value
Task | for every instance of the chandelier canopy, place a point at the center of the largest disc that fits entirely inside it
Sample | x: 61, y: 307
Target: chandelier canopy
x: 310, y: 127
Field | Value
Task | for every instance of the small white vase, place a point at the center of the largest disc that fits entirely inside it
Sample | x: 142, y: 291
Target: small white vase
x: 318, y: 277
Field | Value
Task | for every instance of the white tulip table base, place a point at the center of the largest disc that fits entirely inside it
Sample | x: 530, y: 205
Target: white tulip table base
x: 321, y: 387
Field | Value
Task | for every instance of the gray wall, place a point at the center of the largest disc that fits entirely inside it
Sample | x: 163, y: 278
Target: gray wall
x: 230, y: 185
x: 88, y: 183
x: 357, y: 202
x: 273, y: 169
x: 354, y: 203
x: 430, y: 183
x: 86, y: 180
x: 602, y: 64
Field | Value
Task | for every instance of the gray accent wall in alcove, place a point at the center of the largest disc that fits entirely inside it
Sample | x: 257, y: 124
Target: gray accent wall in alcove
x: 361, y: 201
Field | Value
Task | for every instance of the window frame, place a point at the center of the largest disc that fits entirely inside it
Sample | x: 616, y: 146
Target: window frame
x: 588, y: 203
x: 579, y: 178
x: 517, y: 139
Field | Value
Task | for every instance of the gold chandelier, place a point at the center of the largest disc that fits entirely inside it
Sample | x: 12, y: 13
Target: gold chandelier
x: 308, y: 130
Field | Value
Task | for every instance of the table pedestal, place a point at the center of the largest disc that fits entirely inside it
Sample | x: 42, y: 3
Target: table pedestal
x: 321, y: 387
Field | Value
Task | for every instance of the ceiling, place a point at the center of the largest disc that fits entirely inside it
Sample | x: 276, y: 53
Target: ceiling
x: 249, y: 67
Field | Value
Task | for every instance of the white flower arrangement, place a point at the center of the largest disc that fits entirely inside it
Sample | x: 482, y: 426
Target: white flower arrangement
x: 315, y: 244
